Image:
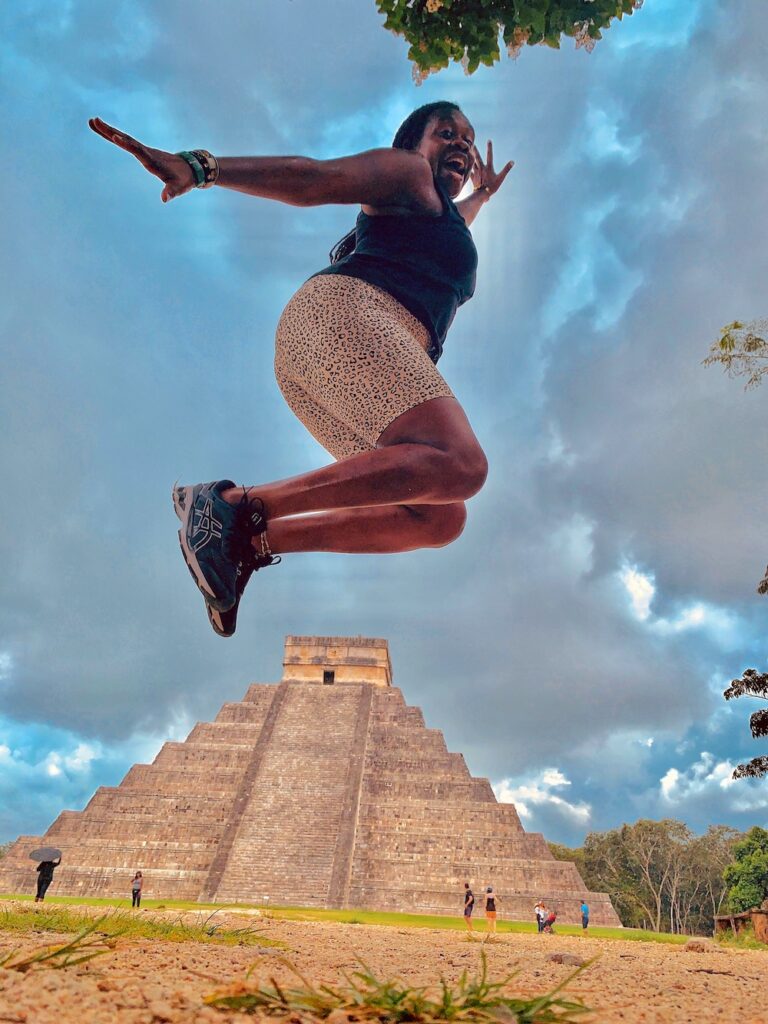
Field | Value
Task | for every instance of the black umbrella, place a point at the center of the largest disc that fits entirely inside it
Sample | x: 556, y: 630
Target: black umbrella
x: 45, y: 853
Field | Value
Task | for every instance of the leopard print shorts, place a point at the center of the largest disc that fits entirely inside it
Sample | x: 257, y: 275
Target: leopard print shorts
x: 349, y: 359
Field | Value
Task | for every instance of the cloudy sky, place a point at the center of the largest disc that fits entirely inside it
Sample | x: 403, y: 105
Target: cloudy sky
x: 575, y: 642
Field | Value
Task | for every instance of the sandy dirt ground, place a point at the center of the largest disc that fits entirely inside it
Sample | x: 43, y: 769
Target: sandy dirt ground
x: 144, y: 982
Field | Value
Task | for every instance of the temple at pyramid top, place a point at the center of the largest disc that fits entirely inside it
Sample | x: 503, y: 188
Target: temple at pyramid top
x: 325, y: 789
x: 337, y: 659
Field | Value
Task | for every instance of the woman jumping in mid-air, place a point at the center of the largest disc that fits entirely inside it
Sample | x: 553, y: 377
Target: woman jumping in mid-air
x: 355, y: 356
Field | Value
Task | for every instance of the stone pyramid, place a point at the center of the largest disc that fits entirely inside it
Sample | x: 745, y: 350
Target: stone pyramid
x: 324, y: 790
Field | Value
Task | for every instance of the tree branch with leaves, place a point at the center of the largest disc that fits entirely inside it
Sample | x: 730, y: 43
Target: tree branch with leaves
x: 752, y: 684
x: 471, y: 32
x: 742, y: 351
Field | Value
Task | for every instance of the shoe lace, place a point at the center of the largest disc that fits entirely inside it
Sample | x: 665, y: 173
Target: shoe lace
x: 254, y: 522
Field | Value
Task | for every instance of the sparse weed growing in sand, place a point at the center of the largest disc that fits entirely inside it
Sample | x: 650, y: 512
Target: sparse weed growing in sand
x: 363, y: 996
x: 86, y: 945
x: 201, y: 928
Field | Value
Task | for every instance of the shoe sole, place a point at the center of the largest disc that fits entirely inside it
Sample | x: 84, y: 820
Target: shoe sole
x: 218, y: 627
x: 183, y: 504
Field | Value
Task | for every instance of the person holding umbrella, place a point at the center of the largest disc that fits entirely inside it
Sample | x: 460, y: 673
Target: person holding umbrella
x: 49, y: 859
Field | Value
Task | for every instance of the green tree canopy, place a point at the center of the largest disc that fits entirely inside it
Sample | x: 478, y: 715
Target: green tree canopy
x: 470, y: 32
x: 658, y: 874
x: 747, y: 876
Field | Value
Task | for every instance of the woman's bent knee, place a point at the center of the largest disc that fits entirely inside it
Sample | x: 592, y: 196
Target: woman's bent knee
x: 469, y: 471
x: 442, y: 524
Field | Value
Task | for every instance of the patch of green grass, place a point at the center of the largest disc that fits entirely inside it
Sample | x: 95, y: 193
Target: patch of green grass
x: 399, y: 920
x: 364, y: 997
x: 83, y: 947
x: 203, y: 928
x: 99, y: 901
x: 744, y: 940
x: 375, y: 917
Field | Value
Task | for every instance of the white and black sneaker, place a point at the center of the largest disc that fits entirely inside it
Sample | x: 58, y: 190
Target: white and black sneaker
x: 215, y: 539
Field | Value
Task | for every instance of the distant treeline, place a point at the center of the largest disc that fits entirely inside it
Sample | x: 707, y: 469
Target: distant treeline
x: 662, y: 877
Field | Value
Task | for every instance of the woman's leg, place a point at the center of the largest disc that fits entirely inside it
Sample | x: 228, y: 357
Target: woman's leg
x: 353, y: 370
x: 406, y: 493
x: 373, y: 531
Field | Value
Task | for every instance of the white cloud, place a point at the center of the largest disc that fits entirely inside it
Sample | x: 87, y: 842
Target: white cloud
x: 702, y: 776
x: 537, y: 793
x: 641, y: 588
x: 721, y: 624
x: 25, y: 765
x: 6, y: 664
x: 80, y: 760
x: 603, y: 136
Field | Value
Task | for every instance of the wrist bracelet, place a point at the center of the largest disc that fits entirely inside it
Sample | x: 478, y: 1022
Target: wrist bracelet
x: 204, y: 165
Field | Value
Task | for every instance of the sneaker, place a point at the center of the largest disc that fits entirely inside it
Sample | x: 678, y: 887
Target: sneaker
x: 215, y: 539
x: 225, y: 623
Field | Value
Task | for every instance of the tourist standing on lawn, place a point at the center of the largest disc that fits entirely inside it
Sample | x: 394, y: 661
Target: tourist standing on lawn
x: 540, y: 911
x: 584, y: 914
x: 45, y: 871
x: 490, y: 908
x: 137, y: 885
x: 469, y: 904
x: 355, y: 355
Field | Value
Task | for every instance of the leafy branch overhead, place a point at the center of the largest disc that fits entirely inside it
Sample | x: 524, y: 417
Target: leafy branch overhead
x: 471, y: 32
x: 752, y: 684
x: 742, y: 350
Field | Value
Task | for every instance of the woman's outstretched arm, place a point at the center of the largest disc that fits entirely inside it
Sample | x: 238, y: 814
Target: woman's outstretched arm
x: 379, y: 177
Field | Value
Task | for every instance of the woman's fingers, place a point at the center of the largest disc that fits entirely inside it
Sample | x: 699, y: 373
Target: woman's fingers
x: 106, y: 131
x: 175, y: 173
x: 505, y: 170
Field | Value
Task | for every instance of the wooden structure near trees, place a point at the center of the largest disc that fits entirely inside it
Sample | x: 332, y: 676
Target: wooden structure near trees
x: 737, y: 923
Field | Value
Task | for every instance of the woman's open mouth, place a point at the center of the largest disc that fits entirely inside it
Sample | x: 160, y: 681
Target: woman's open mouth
x: 457, y: 164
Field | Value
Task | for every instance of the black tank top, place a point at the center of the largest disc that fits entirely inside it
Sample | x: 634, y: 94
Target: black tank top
x: 427, y: 263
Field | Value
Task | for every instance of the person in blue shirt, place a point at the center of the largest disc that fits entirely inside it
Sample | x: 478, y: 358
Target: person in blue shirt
x: 584, y: 915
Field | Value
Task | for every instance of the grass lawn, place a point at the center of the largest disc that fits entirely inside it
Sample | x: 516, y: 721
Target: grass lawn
x: 360, y: 917
x: 117, y: 921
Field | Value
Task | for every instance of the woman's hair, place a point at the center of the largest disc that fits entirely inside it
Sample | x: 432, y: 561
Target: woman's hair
x: 407, y: 136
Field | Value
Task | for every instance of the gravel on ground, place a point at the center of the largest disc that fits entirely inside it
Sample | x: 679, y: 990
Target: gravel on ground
x: 151, y: 982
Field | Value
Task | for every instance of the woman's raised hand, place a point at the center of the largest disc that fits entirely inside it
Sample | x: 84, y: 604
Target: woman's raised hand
x: 483, y: 174
x: 175, y: 173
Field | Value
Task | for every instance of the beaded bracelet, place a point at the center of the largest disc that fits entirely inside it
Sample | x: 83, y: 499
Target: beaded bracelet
x: 204, y: 166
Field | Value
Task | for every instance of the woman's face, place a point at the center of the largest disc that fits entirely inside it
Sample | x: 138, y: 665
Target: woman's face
x: 448, y: 143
